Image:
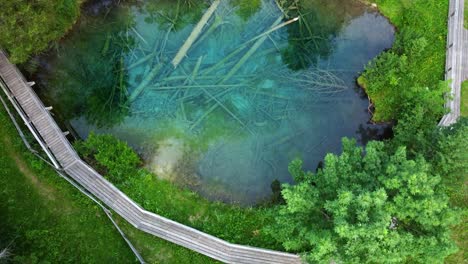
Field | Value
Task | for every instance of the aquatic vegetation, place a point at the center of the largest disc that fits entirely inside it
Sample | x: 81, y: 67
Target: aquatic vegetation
x: 97, y: 65
x: 214, y: 78
x: 365, y: 206
x: 246, y: 8
x: 174, y: 14
x: 311, y: 38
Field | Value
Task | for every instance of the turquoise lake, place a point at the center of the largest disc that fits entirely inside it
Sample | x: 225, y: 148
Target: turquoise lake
x: 254, y: 90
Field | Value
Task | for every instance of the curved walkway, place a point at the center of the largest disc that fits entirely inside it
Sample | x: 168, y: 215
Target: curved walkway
x: 456, y: 66
x: 58, y: 148
x: 46, y: 131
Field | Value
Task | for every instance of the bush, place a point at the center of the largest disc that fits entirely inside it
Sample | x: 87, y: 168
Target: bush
x: 409, y: 75
x: 27, y: 27
x: 112, y: 157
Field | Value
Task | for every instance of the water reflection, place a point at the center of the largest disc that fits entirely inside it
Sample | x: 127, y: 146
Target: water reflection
x: 249, y: 95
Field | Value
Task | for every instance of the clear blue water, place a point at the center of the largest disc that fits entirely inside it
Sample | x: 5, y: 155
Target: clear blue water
x: 221, y: 123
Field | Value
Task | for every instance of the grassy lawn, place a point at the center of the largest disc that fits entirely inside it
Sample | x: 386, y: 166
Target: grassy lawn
x: 44, y: 219
x: 466, y: 14
x: 464, y: 99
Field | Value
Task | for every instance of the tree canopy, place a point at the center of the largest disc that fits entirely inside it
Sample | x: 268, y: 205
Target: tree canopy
x: 366, y: 206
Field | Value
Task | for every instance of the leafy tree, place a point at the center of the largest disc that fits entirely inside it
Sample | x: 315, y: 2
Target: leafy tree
x: 366, y: 206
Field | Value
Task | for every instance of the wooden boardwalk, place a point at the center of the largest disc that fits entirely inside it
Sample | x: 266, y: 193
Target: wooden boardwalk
x: 63, y: 156
x: 59, y: 150
x: 456, y: 68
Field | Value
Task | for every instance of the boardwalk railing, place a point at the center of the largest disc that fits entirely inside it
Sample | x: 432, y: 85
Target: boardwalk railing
x: 52, y: 140
x: 454, y: 71
x: 58, y: 148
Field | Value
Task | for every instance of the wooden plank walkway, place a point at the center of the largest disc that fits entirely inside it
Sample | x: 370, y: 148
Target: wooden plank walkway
x: 60, y: 151
x: 58, y: 148
x: 456, y: 69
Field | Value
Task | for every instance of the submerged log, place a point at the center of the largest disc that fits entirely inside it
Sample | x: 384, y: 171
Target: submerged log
x: 194, y: 34
x: 249, y: 53
x: 145, y: 82
x: 274, y: 27
x: 141, y: 61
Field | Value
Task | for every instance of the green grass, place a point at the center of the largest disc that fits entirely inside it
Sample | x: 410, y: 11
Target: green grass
x: 466, y: 14
x: 464, y: 99
x: 410, y: 73
x: 44, y: 219
x: 456, y: 181
x: 155, y: 250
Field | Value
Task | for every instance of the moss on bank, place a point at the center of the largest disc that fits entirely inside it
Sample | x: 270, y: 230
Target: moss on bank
x: 27, y: 27
x: 411, y: 73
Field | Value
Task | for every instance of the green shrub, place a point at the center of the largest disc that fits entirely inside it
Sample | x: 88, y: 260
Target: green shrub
x: 410, y: 74
x: 112, y: 157
x: 27, y: 27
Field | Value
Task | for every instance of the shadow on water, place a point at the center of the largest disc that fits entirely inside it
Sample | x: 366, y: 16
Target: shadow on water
x: 241, y: 104
x: 321, y: 21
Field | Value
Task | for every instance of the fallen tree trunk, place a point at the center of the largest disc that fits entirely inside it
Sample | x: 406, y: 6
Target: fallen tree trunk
x: 145, y: 82
x: 141, y: 61
x: 243, y: 45
x: 253, y: 49
x: 194, y: 34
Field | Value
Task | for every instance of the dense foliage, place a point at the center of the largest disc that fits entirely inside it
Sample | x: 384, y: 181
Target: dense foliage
x: 466, y: 16
x: 27, y: 27
x: 367, y: 206
x: 92, y: 81
x: 409, y: 75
